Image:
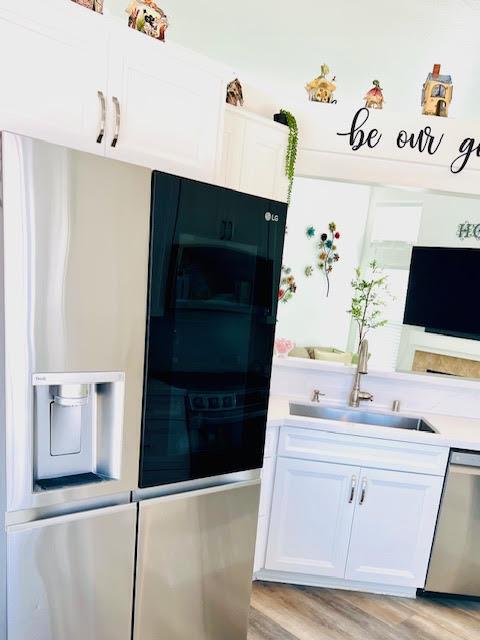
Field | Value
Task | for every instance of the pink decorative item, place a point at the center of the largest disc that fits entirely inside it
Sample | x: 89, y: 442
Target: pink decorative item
x: 283, y: 346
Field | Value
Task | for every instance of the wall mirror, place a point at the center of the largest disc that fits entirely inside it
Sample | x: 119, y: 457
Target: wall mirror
x: 386, y: 224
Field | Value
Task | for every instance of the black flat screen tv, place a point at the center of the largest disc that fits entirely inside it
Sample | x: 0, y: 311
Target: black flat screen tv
x: 443, y: 292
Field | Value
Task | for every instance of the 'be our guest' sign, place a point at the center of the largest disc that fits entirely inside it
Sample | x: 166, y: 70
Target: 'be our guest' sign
x: 424, y: 141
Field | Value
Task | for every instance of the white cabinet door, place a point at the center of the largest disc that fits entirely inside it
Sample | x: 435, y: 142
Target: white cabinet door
x: 253, y: 155
x: 263, y: 164
x: 170, y: 105
x: 393, y: 527
x: 72, y: 576
x: 53, y: 63
x: 311, y: 519
x: 230, y: 168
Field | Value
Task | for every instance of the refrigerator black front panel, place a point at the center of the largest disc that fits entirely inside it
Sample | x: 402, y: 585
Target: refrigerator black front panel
x: 215, y: 261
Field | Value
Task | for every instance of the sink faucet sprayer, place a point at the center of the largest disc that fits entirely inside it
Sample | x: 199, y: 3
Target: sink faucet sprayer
x: 357, y: 395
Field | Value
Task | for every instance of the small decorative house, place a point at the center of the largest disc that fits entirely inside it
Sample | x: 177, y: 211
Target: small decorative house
x: 235, y: 93
x: 321, y: 89
x: 374, y: 98
x: 94, y: 5
x: 437, y: 93
x: 147, y: 17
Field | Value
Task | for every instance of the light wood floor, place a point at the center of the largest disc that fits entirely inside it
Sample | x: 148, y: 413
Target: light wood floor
x: 286, y: 612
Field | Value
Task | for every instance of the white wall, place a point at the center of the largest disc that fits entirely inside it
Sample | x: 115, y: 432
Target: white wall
x: 441, y: 217
x: 310, y: 318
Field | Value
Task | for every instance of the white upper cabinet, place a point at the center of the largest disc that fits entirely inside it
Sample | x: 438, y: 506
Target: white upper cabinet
x: 53, y: 63
x: 312, y: 511
x: 68, y: 74
x: 253, y: 157
x: 170, y: 105
x: 393, y: 528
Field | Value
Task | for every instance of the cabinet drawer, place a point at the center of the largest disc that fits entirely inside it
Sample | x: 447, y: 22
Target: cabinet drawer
x: 366, y: 452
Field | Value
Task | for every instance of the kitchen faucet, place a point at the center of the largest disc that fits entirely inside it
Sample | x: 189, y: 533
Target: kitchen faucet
x: 357, y: 395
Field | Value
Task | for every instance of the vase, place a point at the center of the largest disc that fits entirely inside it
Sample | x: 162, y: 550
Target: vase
x: 281, y: 118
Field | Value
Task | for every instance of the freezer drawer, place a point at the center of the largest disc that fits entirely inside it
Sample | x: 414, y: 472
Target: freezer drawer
x: 71, y: 577
x: 195, y: 564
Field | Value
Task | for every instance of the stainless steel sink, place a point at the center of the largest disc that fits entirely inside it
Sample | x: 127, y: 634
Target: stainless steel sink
x: 355, y: 416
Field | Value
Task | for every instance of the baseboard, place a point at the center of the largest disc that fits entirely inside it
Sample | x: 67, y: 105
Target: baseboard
x: 334, y: 583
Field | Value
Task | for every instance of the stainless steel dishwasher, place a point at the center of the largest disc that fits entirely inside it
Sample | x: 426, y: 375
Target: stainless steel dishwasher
x: 455, y: 560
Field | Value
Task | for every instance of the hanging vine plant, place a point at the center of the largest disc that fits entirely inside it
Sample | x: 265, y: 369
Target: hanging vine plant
x: 291, y: 155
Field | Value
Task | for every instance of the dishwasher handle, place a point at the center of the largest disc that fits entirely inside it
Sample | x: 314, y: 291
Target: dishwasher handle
x: 465, y: 459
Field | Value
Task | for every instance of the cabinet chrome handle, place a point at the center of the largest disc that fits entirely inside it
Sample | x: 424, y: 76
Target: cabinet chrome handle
x: 103, y: 116
x: 363, y: 493
x: 117, y: 121
x: 352, y: 489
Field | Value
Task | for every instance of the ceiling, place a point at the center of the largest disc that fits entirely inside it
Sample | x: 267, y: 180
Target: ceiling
x: 282, y: 45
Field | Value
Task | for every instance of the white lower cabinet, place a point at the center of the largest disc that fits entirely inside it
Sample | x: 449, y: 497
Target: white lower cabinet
x: 311, y: 517
x: 393, y: 527
x: 356, y: 524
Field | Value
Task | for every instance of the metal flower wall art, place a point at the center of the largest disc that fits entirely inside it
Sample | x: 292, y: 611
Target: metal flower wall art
x: 327, y: 252
x: 288, y: 286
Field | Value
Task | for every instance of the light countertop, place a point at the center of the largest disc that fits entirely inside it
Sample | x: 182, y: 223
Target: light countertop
x: 454, y: 432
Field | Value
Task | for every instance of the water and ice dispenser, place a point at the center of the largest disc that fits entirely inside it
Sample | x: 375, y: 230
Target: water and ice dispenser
x: 78, y: 428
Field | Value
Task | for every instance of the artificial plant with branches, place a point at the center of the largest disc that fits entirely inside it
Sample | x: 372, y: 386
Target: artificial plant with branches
x: 370, y: 294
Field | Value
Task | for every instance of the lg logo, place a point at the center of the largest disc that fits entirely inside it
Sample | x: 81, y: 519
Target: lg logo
x: 271, y: 217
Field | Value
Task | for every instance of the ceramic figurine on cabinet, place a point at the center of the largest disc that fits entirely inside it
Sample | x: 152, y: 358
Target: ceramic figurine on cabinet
x: 283, y: 346
x: 321, y: 89
x: 374, y: 98
x: 94, y: 5
x: 147, y: 17
x: 437, y: 93
x: 235, y: 93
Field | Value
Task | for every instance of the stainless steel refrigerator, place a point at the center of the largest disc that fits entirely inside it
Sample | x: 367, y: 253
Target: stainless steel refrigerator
x: 93, y: 546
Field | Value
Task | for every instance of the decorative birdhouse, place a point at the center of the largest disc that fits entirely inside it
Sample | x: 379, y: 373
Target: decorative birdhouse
x: 147, y: 17
x: 321, y: 89
x: 437, y: 93
x: 235, y: 93
x: 374, y: 98
x: 94, y: 5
